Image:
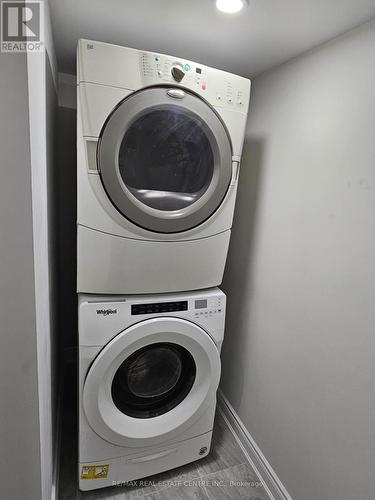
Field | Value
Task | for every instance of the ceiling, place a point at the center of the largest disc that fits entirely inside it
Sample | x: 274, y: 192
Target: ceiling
x: 266, y: 34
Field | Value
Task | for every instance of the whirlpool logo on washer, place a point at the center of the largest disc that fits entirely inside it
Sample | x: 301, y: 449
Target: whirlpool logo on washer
x: 106, y: 312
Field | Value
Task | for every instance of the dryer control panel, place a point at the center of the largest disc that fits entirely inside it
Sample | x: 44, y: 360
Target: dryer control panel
x: 169, y: 70
x: 220, y: 88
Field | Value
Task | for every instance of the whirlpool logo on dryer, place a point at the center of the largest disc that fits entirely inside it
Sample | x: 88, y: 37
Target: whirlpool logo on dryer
x: 106, y: 312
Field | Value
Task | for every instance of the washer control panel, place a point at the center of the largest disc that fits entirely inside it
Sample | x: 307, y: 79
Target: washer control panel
x: 158, y: 307
x: 200, y: 307
x: 207, y: 307
x: 103, y: 317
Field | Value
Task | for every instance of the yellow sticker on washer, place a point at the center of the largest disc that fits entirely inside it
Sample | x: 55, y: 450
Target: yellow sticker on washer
x: 94, y: 471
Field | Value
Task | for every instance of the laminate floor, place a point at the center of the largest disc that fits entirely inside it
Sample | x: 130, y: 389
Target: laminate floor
x: 224, y: 474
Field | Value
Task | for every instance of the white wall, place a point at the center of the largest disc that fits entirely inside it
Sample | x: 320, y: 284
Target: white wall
x: 28, y: 363
x: 42, y: 92
x: 299, y: 354
x: 19, y: 412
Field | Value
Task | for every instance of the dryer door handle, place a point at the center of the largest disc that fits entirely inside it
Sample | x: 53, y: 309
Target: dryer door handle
x: 176, y: 93
x: 155, y: 456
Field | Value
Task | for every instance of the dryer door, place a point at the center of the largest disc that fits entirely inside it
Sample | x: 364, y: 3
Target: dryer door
x: 152, y: 381
x: 165, y: 159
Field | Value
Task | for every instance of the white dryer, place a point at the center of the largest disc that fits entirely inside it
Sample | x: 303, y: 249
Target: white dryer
x: 159, y: 147
x: 149, y: 368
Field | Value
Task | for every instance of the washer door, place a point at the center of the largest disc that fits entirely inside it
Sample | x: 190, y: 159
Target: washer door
x: 165, y: 159
x: 151, y: 382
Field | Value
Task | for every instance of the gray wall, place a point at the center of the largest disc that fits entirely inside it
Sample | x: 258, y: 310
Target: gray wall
x: 20, y: 475
x: 300, y: 276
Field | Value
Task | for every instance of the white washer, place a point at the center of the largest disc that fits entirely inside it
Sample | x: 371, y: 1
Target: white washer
x: 159, y: 143
x: 149, y: 368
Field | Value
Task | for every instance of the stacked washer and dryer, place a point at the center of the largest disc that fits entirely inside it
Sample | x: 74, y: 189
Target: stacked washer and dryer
x: 159, y: 143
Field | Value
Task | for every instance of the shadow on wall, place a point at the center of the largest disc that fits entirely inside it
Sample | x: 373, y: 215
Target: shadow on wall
x: 67, y: 189
x: 238, y: 282
x: 53, y: 245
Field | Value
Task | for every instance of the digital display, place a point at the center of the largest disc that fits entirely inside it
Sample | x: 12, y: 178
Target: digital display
x: 201, y: 304
x: 159, y: 307
x: 198, y: 70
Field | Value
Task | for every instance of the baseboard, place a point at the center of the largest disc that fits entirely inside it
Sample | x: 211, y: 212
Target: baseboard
x: 257, y: 460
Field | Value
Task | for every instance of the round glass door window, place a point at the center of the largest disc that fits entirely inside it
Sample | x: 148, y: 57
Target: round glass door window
x: 165, y: 163
x: 166, y: 160
x: 153, y: 380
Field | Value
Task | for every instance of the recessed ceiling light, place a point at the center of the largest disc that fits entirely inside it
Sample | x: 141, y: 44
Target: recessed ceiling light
x: 230, y: 6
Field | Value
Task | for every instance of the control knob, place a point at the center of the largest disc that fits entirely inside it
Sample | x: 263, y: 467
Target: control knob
x: 178, y: 72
